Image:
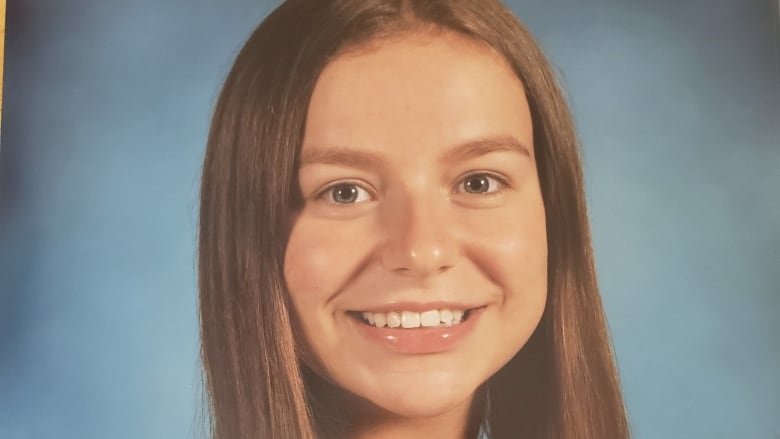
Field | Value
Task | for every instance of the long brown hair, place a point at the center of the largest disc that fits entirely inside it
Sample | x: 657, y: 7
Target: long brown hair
x: 562, y: 384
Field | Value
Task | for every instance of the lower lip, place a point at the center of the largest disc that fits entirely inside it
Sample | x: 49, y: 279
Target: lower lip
x: 421, y: 340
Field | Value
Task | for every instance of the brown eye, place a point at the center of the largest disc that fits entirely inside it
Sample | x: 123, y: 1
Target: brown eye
x: 480, y: 184
x: 346, y: 193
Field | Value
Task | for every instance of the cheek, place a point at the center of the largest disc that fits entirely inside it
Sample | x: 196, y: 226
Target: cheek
x: 307, y: 263
x: 512, y: 253
x: 319, y: 261
x: 511, y: 246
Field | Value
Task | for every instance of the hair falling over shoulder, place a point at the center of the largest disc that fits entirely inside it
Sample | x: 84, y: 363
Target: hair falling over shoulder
x: 562, y: 384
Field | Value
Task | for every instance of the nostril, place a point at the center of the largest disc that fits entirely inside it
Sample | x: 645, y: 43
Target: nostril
x: 423, y: 256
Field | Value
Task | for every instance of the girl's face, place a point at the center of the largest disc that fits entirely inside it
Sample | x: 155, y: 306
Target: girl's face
x: 422, y: 208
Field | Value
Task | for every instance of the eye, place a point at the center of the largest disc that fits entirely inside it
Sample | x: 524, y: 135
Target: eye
x: 481, y: 184
x: 345, y: 193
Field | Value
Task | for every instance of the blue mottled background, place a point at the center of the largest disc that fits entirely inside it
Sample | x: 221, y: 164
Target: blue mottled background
x: 106, y: 111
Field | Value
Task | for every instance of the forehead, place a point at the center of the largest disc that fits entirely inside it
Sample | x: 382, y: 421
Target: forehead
x: 418, y: 90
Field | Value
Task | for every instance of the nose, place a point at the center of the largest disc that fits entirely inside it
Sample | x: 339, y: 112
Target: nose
x: 419, y: 240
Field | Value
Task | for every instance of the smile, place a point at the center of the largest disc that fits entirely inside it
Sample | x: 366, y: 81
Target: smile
x: 412, y: 332
x: 412, y: 319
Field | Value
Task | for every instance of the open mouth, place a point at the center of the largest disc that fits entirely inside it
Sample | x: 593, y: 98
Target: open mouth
x: 411, y: 319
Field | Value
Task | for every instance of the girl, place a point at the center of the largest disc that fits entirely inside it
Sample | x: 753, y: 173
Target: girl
x: 393, y: 235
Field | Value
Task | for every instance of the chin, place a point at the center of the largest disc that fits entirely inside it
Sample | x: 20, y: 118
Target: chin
x: 415, y: 406
x: 431, y: 396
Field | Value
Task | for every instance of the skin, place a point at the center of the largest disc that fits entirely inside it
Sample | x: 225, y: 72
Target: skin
x: 404, y: 122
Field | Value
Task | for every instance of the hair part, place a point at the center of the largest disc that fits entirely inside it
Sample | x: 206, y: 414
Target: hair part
x: 562, y: 384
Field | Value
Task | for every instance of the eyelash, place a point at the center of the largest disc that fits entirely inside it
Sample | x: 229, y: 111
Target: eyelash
x: 328, y: 190
x: 502, y: 182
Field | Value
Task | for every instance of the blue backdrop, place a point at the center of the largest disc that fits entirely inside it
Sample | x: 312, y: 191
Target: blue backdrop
x: 107, y: 106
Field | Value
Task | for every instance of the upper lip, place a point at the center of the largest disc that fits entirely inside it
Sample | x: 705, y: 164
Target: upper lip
x: 419, y: 306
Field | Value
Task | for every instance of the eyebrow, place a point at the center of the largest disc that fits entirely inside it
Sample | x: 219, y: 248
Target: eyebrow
x: 476, y: 148
x: 340, y: 155
x: 370, y: 160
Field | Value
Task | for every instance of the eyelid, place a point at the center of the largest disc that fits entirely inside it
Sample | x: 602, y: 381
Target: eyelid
x: 320, y: 194
x: 502, y: 180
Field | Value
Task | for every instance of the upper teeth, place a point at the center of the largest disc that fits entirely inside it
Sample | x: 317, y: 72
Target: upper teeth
x: 411, y: 319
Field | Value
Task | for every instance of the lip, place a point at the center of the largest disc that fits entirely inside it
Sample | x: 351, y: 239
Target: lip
x: 419, y: 307
x: 420, y: 341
